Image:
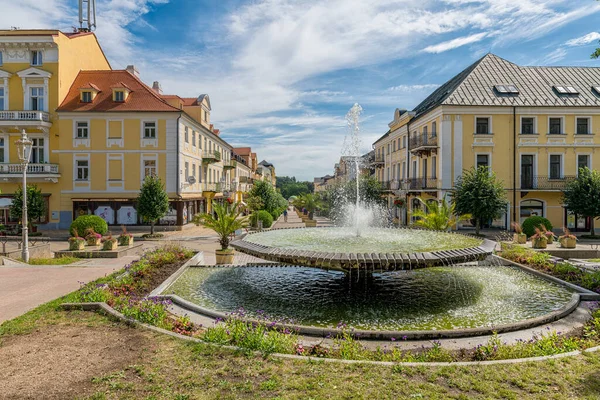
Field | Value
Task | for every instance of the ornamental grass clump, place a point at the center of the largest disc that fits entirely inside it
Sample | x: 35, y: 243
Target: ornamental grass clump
x: 76, y: 242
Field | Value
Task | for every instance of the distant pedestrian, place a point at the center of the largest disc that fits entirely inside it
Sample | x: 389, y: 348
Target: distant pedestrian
x: 285, y: 215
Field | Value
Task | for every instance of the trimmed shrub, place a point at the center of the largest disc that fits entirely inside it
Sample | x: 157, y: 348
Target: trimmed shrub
x: 531, y: 223
x: 262, y: 215
x: 84, y: 222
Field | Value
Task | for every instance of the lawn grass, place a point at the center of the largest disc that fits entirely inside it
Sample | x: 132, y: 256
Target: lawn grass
x: 53, y: 261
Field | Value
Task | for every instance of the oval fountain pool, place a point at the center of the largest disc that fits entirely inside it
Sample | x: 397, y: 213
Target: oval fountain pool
x: 439, y: 298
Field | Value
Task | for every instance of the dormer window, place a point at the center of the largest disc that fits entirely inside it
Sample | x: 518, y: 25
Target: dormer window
x: 86, y: 97
x: 119, y: 96
x: 36, y: 57
x: 120, y: 92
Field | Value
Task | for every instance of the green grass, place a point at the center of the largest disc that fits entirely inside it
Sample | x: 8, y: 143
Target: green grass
x: 53, y: 261
x: 593, y: 260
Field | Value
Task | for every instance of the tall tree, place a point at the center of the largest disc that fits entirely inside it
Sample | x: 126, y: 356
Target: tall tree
x: 582, y: 196
x: 478, y: 192
x: 36, y: 207
x: 153, y: 202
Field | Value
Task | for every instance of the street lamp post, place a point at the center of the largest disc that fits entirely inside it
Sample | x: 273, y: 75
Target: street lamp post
x: 23, y: 150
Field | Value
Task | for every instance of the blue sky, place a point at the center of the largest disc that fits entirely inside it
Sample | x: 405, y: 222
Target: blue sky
x: 282, y: 74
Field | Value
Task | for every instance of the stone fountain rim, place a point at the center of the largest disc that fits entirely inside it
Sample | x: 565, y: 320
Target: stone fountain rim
x: 345, y: 261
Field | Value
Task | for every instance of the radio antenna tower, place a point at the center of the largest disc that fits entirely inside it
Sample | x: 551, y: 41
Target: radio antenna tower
x: 87, y: 15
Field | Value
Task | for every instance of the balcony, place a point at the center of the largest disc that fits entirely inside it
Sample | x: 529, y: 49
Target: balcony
x: 227, y: 165
x: 211, y: 187
x: 211, y: 157
x: 25, y: 118
x: 35, y: 172
x: 246, y: 179
x: 421, y: 184
x: 390, y: 185
x: 423, y: 143
x: 529, y: 182
x: 379, y: 159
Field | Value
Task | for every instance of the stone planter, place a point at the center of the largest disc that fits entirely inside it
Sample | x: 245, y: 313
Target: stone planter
x: 93, y: 241
x: 125, y: 240
x: 539, y: 243
x: 310, y: 223
x: 520, y: 238
x: 75, y: 245
x: 550, y: 239
x: 568, y: 243
x: 225, y: 256
x: 110, y: 245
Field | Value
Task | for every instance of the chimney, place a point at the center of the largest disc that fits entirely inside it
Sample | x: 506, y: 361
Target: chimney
x: 216, y: 131
x: 133, y: 70
x: 156, y: 87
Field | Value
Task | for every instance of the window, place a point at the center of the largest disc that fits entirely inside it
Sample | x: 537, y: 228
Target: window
x: 527, y: 126
x: 1, y: 99
x: 36, y: 100
x: 36, y: 57
x: 394, y: 148
x: 595, y: 88
x: 425, y: 131
x: 0, y: 58
x: 433, y: 129
x: 187, y: 135
x: 119, y: 96
x: 555, y: 166
x: 482, y: 126
x: 530, y: 208
x: 403, y: 142
x: 200, y: 173
x: 149, y: 130
x: 204, y: 143
x: 388, y: 148
x: 194, y: 138
x: 2, y: 148
x: 555, y: 125
x: 37, y: 151
x: 434, y: 167
x: 403, y: 169
x: 82, y: 130
x: 506, y: 89
x: 187, y: 170
x: 483, y: 160
x: 194, y: 170
x: 82, y: 170
x: 583, y: 161
x: 150, y: 168
x: 565, y: 90
x: 86, y: 97
x: 583, y: 126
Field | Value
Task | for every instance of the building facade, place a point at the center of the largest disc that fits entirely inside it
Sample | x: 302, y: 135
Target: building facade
x: 533, y: 126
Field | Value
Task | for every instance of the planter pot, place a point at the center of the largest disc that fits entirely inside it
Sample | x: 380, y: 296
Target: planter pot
x: 550, y: 239
x: 520, y: 238
x: 539, y: 243
x: 126, y: 241
x: 74, y: 246
x: 310, y: 223
x: 93, y: 241
x: 225, y: 256
x: 110, y: 245
x: 568, y: 243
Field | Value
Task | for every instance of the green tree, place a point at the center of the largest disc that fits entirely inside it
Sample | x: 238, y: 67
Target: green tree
x: 228, y: 220
x: 478, y: 192
x: 582, y: 195
x: 438, y: 215
x: 272, y: 200
x: 153, y: 202
x: 36, y: 207
x: 309, y: 201
x: 289, y: 186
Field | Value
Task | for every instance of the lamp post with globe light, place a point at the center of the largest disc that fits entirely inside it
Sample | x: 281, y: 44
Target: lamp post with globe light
x: 23, y: 150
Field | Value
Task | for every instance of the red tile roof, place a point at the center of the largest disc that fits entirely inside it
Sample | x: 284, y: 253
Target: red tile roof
x: 90, y: 85
x: 141, y: 98
x: 242, y: 151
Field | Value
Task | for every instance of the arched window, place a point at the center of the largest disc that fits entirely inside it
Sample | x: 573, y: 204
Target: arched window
x: 531, y: 208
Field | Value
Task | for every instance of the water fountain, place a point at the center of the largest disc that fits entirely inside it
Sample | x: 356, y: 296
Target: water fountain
x: 373, y: 277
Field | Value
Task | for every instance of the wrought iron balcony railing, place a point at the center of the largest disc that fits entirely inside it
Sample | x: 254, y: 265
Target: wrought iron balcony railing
x: 211, y: 156
x: 34, y: 169
x: 423, y: 140
x: 422, y: 184
x: 532, y: 182
x: 391, y: 185
x: 34, y: 116
x: 378, y: 159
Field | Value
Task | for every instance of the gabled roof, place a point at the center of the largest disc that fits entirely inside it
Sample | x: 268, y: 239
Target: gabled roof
x: 265, y: 163
x: 141, y: 98
x: 475, y: 86
x: 242, y: 151
x: 196, y: 101
x: 90, y: 85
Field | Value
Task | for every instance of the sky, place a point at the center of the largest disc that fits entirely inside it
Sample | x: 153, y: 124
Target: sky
x: 282, y: 74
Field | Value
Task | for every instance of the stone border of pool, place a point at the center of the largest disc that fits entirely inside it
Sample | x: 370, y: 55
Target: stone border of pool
x: 351, y: 261
x: 579, y: 295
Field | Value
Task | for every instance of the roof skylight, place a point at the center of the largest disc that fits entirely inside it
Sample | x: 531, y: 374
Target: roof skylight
x: 596, y: 88
x: 506, y: 89
x: 566, y: 89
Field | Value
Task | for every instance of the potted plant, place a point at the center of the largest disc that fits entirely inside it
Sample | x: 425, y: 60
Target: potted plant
x: 76, y: 242
x: 400, y: 203
x: 311, y: 203
x: 539, y: 240
x: 568, y: 240
x: 125, y: 238
x: 519, y: 236
x: 92, y: 237
x: 549, y: 234
x: 225, y: 222
x: 109, y: 243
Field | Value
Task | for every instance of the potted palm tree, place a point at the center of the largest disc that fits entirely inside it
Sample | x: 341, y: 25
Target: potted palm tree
x: 311, y: 203
x: 226, y: 220
x: 438, y: 215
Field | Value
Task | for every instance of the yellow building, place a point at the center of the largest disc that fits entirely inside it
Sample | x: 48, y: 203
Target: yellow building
x: 533, y: 126
x: 242, y: 181
x: 37, y: 67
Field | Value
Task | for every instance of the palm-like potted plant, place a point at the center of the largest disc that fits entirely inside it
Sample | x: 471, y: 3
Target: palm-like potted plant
x: 519, y: 237
x: 539, y: 240
x: 311, y: 203
x: 227, y: 220
x: 76, y: 242
x: 92, y: 237
x: 567, y: 240
x: 438, y: 215
x: 549, y: 234
x: 109, y: 243
x: 125, y: 238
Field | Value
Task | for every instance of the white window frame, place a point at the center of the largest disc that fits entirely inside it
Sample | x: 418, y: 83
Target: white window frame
x: 590, y: 131
x: 489, y: 156
x: 29, y: 97
x: 77, y: 141
x: 434, y: 166
x: 45, y: 147
x: 562, y: 165
x: 115, y: 185
x: 590, y: 163
x: 85, y: 158
x: 490, y: 124
x: 148, y: 141
x: 36, y: 58
x: 562, y: 124
x: 143, y: 159
x: 4, y: 149
x: 85, y: 93
x: 535, y: 125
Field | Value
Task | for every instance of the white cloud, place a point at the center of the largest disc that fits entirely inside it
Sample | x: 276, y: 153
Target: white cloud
x: 583, y: 40
x: 455, y: 43
x: 413, y: 88
x: 555, y: 56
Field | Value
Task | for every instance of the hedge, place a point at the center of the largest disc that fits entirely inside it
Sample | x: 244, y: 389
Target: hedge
x: 531, y: 223
x: 83, y: 222
x: 264, y: 216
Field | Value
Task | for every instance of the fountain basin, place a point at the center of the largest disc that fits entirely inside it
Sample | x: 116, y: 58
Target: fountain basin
x: 382, y: 249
